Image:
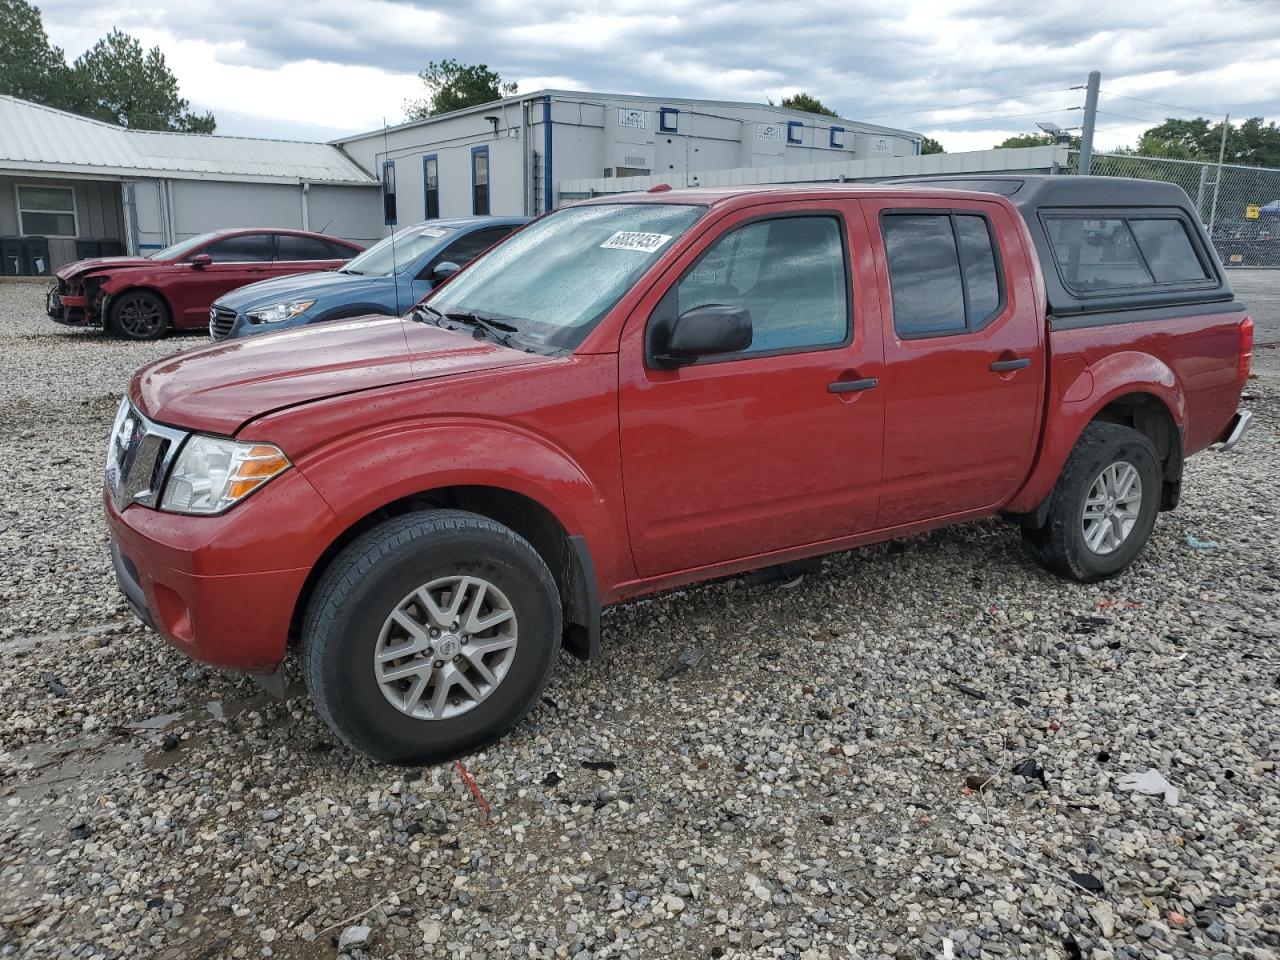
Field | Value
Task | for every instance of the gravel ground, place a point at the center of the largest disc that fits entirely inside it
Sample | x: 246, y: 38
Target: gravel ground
x: 835, y: 777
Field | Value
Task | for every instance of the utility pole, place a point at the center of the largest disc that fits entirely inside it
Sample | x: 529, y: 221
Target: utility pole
x: 1217, y: 180
x: 1090, y: 117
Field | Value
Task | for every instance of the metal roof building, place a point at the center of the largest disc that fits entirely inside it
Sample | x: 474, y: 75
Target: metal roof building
x: 90, y: 187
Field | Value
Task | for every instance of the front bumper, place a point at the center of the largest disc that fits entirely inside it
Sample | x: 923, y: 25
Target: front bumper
x: 221, y: 589
x: 71, y: 310
x: 1240, y: 424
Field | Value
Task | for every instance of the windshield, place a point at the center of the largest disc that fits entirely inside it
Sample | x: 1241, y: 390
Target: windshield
x: 556, y: 278
x: 409, y: 244
x: 182, y: 247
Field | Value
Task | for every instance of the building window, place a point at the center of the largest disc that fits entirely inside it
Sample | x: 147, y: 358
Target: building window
x: 837, y: 137
x: 389, y: 192
x: 47, y: 211
x: 668, y: 120
x: 480, y: 181
x: 431, y: 185
x: 795, y: 131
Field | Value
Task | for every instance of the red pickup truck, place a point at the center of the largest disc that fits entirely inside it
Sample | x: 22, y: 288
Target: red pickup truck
x: 645, y: 391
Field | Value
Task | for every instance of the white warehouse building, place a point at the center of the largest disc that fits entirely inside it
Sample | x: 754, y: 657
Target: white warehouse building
x: 509, y: 157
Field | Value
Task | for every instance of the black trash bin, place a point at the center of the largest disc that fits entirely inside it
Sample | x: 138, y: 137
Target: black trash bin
x: 35, y: 257
x: 88, y: 249
x: 111, y: 248
x: 10, y: 256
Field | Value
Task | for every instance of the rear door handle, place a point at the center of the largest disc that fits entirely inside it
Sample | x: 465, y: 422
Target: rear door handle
x: 1000, y: 366
x: 852, y: 386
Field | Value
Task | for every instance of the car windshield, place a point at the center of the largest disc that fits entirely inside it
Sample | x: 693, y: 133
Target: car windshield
x: 555, y: 279
x: 182, y: 247
x: 398, y: 252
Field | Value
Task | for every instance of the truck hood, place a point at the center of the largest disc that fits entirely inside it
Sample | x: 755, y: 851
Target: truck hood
x: 299, y: 286
x: 219, y: 388
x: 69, y: 270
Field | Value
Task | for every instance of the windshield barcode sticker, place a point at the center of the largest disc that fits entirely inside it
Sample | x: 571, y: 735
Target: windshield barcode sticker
x: 633, y: 240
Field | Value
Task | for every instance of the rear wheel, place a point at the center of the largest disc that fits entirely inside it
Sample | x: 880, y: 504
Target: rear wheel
x: 140, y: 315
x: 1103, y: 508
x: 430, y: 635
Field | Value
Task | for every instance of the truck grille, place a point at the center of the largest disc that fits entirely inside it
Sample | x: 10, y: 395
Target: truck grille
x: 221, y: 320
x: 138, y: 457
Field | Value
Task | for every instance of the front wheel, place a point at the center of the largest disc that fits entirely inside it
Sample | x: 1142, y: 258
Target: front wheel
x: 139, y: 315
x: 430, y: 635
x: 1103, y: 508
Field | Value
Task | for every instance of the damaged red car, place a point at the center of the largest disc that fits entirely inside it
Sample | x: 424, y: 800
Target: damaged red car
x: 143, y: 298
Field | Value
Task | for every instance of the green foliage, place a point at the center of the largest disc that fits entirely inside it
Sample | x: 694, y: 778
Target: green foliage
x: 1253, y: 143
x: 452, y: 85
x: 930, y: 145
x: 807, y: 104
x: 30, y: 67
x: 115, y: 81
x: 118, y: 82
x: 1034, y: 140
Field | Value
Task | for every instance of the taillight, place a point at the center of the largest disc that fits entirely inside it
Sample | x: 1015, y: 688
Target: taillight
x: 1246, y: 348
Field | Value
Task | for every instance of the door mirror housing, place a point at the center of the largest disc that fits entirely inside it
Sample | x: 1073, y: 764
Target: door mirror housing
x: 705, y: 331
x: 201, y: 260
x: 444, y: 270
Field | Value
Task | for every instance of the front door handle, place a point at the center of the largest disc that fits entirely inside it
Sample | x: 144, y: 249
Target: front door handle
x: 852, y: 386
x: 1000, y: 366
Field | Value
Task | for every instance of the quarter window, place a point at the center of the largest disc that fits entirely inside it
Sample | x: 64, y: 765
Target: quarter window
x: 788, y: 273
x: 480, y: 181
x: 943, y: 274
x: 247, y: 248
x: 47, y: 211
x: 431, y: 185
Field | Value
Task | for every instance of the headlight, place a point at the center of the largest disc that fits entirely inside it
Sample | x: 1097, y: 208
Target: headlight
x: 280, y: 311
x: 211, y: 474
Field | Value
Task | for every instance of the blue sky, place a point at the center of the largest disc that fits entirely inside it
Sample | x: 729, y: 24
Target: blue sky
x: 967, y: 73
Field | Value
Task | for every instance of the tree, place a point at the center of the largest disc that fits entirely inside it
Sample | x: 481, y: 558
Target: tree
x: 1253, y: 142
x: 930, y: 145
x: 30, y: 66
x: 117, y: 82
x: 807, y: 104
x: 452, y: 86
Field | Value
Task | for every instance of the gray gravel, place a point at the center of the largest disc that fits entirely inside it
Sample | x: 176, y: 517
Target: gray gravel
x: 832, y: 778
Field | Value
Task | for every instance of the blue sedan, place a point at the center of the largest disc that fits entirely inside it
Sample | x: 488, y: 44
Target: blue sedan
x: 387, y: 279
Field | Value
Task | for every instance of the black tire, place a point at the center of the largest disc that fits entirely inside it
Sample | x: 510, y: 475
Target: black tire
x: 139, y: 315
x: 369, y: 578
x: 1060, y: 546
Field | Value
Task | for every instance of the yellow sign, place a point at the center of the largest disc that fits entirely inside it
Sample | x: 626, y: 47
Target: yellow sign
x: 1251, y: 211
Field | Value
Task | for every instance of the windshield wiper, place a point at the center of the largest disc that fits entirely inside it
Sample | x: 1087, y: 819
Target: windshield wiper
x: 483, y: 326
x: 354, y: 273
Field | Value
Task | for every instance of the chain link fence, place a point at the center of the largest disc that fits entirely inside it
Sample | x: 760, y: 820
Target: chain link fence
x: 1240, y: 206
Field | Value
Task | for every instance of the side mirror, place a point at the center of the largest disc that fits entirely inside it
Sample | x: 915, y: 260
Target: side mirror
x: 201, y: 260
x: 444, y: 270
x: 703, y: 332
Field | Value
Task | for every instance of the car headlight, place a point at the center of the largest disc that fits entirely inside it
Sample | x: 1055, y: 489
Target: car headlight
x: 280, y: 311
x: 211, y: 474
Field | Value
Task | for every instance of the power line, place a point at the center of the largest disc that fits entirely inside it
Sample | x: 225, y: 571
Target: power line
x: 1171, y: 106
x: 1126, y: 116
x: 1002, y: 116
x: 971, y: 103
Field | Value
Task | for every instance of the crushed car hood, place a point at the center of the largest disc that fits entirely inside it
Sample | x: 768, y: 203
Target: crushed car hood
x: 221, y: 387
x: 70, y: 270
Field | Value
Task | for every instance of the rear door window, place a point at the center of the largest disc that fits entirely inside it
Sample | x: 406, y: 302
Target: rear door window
x: 944, y: 276
x: 247, y: 248
x: 290, y: 247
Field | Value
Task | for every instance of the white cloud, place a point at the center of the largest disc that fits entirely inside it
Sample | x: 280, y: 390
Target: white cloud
x: 345, y: 64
